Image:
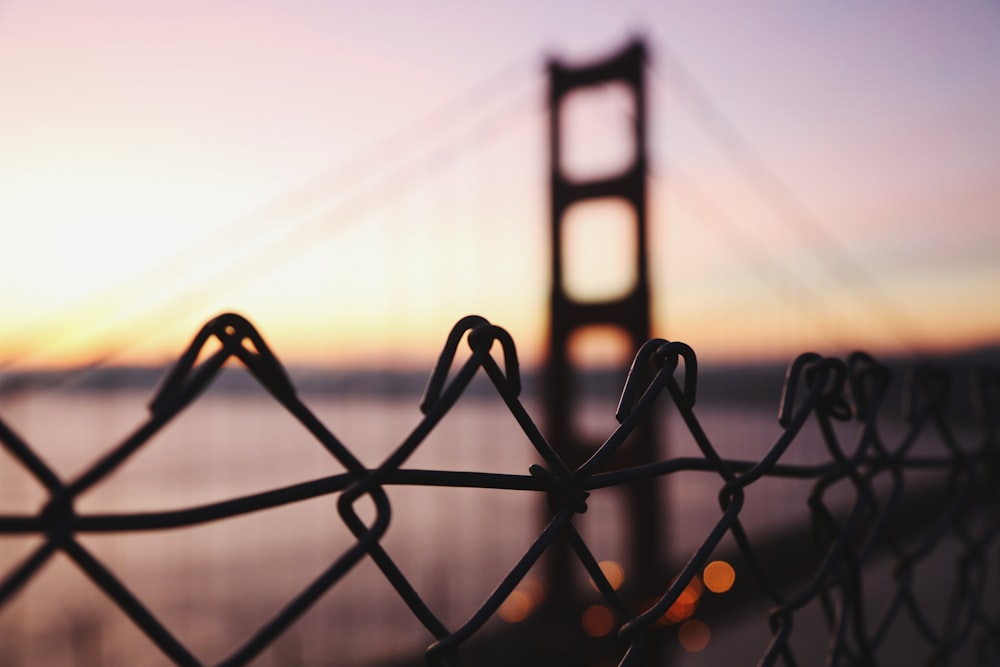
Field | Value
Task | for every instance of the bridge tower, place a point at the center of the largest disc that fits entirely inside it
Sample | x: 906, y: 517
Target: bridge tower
x: 626, y: 312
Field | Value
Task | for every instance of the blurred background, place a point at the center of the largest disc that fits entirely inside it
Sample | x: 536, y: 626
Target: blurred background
x: 355, y: 177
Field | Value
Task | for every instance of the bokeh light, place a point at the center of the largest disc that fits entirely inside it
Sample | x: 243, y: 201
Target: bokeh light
x: 598, y: 621
x: 517, y: 607
x: 719, y: 576
x: 694, y: 635
x: 613, y: 572
x: 522, y: 601
x: 685, y: 604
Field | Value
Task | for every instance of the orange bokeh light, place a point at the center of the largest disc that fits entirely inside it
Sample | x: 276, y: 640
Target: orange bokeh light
x: 719, y: 576
x: 685, y: 604
x: 516, y: 607
x: 522, y: 601
x: 598, y: 621
x: 694, y: 635
x: 613, y: 572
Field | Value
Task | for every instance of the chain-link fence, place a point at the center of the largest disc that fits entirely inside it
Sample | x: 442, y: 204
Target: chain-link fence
x: 871, y: 478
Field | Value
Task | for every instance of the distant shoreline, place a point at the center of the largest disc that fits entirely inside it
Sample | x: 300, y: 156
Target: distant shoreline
x: 753, y: 383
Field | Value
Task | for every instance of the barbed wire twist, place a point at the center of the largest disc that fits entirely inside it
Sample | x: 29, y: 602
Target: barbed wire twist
x: 825, y: 389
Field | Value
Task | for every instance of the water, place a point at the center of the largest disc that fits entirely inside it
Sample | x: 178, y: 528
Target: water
x: 213, y: 585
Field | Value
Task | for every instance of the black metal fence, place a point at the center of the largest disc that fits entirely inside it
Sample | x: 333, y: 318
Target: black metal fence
x: 877, y: 477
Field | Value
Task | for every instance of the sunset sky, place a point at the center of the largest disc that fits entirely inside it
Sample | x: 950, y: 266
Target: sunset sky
x: 354, y: 177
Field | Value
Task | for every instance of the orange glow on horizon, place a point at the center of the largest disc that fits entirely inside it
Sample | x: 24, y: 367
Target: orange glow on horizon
x: 370, y: 340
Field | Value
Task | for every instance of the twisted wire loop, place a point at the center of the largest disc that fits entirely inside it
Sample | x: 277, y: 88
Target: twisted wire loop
x: 874, y: 473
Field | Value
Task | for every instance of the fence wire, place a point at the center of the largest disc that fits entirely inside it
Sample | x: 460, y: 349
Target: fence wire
x: 822, y: 389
